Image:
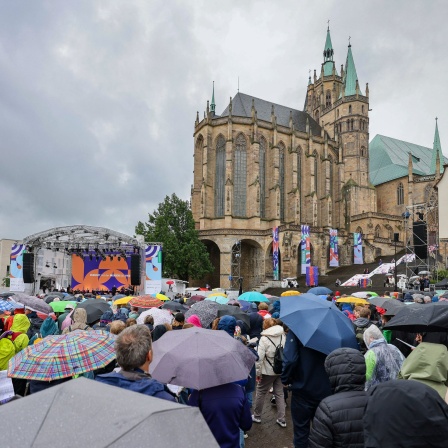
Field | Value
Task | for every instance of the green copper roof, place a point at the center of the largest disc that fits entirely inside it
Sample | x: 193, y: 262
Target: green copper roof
x: 389, y: 159
x: 436, y: 149
x: 328, y: 55
x: 213, y: 105
x: 350, y: 75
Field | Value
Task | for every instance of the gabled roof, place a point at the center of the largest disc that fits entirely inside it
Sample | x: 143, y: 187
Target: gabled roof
x: 242, y: 107
x: 389, y: 158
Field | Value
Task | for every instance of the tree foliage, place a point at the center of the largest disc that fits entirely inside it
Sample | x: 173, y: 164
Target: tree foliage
x: 6, y: 282
x: 184, y: 254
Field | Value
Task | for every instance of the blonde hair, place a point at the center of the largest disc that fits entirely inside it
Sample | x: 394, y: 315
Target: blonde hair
x: 117, y: 326
x: 263, y: 306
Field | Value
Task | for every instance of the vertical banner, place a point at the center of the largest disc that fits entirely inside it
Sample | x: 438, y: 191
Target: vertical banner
x: 275, y: 252
x: 153, y: 257
x: 334, y: 250
x: 305, y: 248
x: 312, y: 276
x: 16, y: 268
x: 357, y: 247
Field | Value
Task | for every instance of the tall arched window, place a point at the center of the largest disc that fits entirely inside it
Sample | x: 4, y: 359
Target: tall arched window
x: 198, y: 162
x: 220, y: 173
x: 262, y: 176
x: 348, y: 125
x: 351, y: 124
x: 328, y: 99
x: 349, y: 109
x: 400, y: 194
x: 239, y: 177
x: 363, y: 151
x: 315, y: 171
x: 281, y: 180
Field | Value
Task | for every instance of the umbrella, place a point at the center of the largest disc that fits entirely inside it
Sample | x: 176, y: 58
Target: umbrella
x: 246, y: 306
x: 364, y: 294
x: 424, y: 273
x: 59, y: 307
x: 355, y: 300
x: 197, y: 298
x: 235, y: 311
x: 33, y: 303
x: 94, y: 309
x: 145, y: 302
x: 207, y: 311
x: 218, y: 299
x: 217, y: 294
x: 318, y: 324
x: 161, y: 297
x: 318, y: 290
x: 200, y: 358
x: 131, y: 419
x: 63, y: 355
x: 253, y: 296
x: 6, y: 306
x: 421, y: 318
x: 392, y: 307
x: 170, y: 282
x: 160, y: 316
x: 290, y: 293
x: 379, y: 301
x: 123, y: 300
x: 174, y: 306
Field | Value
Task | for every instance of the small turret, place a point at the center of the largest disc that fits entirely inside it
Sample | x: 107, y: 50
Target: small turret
x: 213, y: 105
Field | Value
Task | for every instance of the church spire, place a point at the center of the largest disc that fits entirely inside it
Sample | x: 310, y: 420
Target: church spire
x: 350, y: 77
x: 213, y: 105
x: 437, y: 155
x: 328, y: 55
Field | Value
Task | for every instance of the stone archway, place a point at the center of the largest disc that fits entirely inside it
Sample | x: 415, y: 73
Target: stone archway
x: 252, y: 264
x: 214, y: 253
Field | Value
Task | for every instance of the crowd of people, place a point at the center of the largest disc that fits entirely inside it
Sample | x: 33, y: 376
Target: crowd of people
x: 348, y: 398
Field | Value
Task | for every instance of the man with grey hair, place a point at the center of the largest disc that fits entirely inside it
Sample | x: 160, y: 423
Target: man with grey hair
x: 133, y: 348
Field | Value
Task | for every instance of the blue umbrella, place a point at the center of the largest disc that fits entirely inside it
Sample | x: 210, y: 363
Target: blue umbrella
x: 318, y: 290
x: 253, y: 296
x: 318, y: 324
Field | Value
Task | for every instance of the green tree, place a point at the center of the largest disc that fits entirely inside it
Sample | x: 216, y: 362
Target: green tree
x: 184, y: 254
x: 6, y: 282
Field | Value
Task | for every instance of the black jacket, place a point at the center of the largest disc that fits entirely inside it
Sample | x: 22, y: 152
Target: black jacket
x: 338, y: 419
x: 405, y: 414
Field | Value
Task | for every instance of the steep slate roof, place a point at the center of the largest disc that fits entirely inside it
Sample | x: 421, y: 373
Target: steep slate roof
x: 389, y: 159
x: 242, y: 107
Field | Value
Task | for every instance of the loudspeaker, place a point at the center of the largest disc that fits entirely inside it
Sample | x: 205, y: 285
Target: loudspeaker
x: 420, y: 239
x: 135, y: 269
x: 28, y: 267
x: 396, y: 237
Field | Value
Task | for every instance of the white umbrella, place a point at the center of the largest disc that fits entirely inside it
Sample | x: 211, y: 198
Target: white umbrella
x: 160, y: 316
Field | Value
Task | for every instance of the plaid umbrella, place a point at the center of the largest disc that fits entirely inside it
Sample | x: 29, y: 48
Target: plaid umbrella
x: 207, y: 312
x: 33, y: 303
x: 6, y: 306
x: 65, y: 355
x: 145, y: 302
x: 160, y: 316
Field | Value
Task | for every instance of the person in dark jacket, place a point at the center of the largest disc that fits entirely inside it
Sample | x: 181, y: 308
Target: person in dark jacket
x: 304, y: 372
x: 134, y: 355
x: 405, y: 414
x: 256, y: 324
x: 226, y: 411
x: 338, y: 420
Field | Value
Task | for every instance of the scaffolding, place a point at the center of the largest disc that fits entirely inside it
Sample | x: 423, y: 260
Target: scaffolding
x: 235, y: 279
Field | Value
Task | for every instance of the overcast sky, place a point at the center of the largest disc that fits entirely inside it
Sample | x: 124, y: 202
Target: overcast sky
x: 98, y: 98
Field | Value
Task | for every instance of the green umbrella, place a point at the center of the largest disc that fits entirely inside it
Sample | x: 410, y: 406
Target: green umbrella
x: 59, y: 307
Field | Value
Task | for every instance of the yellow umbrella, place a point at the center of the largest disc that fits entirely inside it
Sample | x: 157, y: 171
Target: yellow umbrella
x: 290, y: 293
x: 355, y: 300
x: 217, y: 294
x: 162, y: 297
x: 123, y: 301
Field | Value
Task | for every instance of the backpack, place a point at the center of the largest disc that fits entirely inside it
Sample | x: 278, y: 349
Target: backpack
x: 277, y: 364
x: 359, y: 333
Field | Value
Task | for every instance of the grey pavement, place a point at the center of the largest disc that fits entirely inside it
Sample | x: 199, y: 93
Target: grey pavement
x: 268, y: 434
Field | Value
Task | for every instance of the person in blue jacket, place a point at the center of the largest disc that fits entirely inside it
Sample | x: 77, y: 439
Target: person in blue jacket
x: 134, y: 355
x: 304, y: 373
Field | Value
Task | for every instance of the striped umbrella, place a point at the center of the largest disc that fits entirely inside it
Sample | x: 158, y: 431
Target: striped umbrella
x: 62, y: 356
x: 146, y: 302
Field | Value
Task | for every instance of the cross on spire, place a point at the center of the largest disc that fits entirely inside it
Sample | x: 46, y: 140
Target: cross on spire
x: 328, y: 22
x: 349, y: 44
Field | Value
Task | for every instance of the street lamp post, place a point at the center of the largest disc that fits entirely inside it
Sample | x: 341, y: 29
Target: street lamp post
x: 396, y: 236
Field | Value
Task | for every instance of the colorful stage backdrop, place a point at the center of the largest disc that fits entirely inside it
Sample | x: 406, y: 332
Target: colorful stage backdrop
x: 16, y: 268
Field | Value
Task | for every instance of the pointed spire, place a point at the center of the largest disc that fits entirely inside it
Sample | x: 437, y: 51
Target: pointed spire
x: 328, y: 55
x: 350, y: 77
x: 213, y: 105
x: 436, y: 153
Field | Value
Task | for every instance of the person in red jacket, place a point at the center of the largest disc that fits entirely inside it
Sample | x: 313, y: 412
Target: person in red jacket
x: 263, y: 310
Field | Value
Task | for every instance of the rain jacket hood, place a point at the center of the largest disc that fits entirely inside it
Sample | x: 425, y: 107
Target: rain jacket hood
x: 7, y: 351
x: 228, y: 324
x: 48, y: 327
x: 194, y: 319
x: 276, y: 330
x: 361, y: 322
x: 346, y: 369
x: 20, y: 324
x: 427, y: 363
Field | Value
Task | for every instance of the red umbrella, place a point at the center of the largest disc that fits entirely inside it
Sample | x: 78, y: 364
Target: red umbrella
x: 146, y: 302
x: 197, y: 298
x: 169, y: 282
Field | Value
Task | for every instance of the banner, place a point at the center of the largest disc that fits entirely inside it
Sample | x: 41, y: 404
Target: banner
x: 275, y: 253
x: 16, y: 268
x: 153, y: 257
x: 305, y: 248
x: 334, y: 250
x: 312, y: 276
x: 357, y: 247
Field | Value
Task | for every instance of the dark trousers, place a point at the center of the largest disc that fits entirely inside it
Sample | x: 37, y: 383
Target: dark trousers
x: 302, y: 412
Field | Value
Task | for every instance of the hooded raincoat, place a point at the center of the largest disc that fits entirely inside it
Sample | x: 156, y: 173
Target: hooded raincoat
x: 20, y: 324
x: 79, y: 317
